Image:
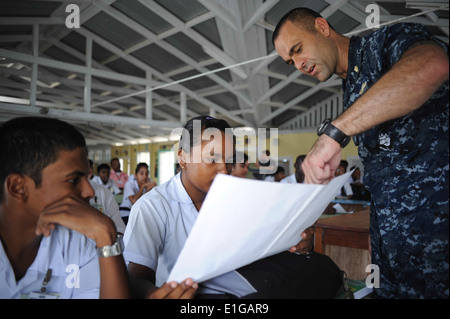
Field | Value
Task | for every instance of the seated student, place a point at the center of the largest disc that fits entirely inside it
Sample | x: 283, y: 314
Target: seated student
x: 298, y: 176
x: 91, y: 170
x: 346, y: 191
x: 105, y: 202
x: 360, y: 192
x: 240, y: 168
x: 117, y: 175
x: 277, y: 176
x: 134, y: 189
x: 161, y: 220
x: 52, y: 242
x: 102, y: 178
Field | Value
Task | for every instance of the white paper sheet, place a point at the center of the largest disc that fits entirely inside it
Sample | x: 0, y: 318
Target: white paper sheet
x: 243, y: 220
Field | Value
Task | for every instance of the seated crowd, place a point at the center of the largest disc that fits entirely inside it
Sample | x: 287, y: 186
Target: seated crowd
x: 62, y: 235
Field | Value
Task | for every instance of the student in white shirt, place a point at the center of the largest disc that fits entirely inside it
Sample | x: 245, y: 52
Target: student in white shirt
x: 105, y: 202
x: 102, y: 178
x: 160, y: 222
x: 139, y: 184
x: 52, y: 242
x: 298, y: 176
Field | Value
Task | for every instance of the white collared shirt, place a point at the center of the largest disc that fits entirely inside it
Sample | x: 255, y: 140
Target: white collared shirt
x: 159, y: 224
x: 73, y: 262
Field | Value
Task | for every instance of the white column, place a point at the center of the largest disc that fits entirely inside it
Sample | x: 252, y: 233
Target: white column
x: 183, y: 106
x: 88, y: 76
x: 34, y: 70
x: 148, y: 97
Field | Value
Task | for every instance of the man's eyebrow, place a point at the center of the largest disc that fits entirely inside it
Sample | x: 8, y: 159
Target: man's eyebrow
x: 76, y: 173
x: 291, y: 51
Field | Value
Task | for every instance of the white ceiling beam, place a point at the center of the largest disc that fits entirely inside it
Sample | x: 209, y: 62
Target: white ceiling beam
x: 70, y: 67
x: 259, y: 13
x: 332, y: 82
x: 31, y: 20
x: 155, y: 72
x: 222, y: 13
x: 166, y: 46
x: 85, y: 117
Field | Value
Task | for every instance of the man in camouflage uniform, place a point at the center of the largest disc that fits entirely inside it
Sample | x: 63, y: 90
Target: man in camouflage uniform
x: 395, y: 83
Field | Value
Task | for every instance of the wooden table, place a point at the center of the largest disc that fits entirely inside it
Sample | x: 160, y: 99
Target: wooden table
x: 345, y: 238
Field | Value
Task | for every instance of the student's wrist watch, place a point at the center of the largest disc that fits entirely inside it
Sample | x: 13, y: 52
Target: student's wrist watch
x: 115, y: 249
x: 332, y: 131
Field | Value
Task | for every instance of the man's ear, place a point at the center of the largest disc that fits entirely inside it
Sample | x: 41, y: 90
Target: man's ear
x: 322, y: 26
x: 15, y: 187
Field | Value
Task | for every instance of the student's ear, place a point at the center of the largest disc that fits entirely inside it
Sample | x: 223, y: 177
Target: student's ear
x: 182, y: 158
x: 322, y: 26
x: 15, y: 187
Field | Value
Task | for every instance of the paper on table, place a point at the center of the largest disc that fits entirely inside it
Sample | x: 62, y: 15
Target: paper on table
x: 243, y: 220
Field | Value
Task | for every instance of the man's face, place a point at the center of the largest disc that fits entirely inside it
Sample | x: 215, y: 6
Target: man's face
x: 310, y: 52
x: 104, y: 175
x: 240, y: 169
x: 65, y: 177
x: 115, y: 165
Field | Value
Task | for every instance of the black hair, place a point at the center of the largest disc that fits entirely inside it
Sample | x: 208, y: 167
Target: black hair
x: 29, y: 144
x: 344, y: 164
x: 103, y: 166
x: 189, y: 138
x: 300, y: 159
x: 240, y: 157
x: 139, y: 166
x: 114, y: 159
x: 279, y: 170
x: 305, y: 16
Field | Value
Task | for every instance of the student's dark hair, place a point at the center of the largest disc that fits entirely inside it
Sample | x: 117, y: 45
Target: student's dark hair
x: 279, y: 170
x: 114, y: 159
x: 103, y: 166
x: 188, y: 138
x: 305, y: 16
x: 29, y: 144
x: 300, y: 159
x: 139, y: 166
x: 240, y: 157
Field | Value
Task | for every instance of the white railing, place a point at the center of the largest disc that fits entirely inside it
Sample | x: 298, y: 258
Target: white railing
x: 331, y: 107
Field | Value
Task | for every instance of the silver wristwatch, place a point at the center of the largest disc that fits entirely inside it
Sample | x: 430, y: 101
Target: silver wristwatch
x: 115, y: 249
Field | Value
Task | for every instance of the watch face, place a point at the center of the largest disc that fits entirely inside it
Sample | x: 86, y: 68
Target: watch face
x: 322, y: 126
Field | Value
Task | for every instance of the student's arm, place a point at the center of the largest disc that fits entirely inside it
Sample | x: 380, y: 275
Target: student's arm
x: 403, y: 89
x: 142, y: 285
x: 76, y: 214
x: 146, y: 187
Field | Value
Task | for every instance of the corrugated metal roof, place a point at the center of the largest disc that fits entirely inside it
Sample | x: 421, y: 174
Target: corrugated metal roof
x: 140, y: 44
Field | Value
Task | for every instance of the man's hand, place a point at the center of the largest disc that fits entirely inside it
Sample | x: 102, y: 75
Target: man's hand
x: 76, y: 214
x: 306, y: 244
x: 322, y: 161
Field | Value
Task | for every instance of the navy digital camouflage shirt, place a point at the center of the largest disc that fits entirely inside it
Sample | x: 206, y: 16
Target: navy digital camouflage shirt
x: 406, y: 169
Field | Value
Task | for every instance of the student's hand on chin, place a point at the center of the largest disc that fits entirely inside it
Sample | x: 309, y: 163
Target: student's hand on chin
x: 74, y: 213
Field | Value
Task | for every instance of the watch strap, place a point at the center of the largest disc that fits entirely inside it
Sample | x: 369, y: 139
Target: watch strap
x: 115, y: 249
x: 332, y: 131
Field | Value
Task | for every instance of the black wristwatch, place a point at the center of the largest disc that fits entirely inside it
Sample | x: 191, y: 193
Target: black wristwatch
x: 332, y: 131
